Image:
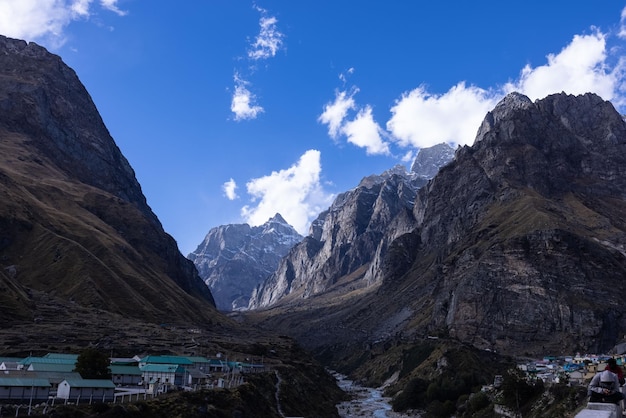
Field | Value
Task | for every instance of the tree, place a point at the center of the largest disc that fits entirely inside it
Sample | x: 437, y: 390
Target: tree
x: 517, y: 390
x: 93, y: 364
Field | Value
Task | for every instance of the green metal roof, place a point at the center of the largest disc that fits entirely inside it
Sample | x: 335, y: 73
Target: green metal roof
x: 198, y: 359
x: 11, y: 359
x: 50, y: 360
x: 23, y: 382
x: 52, y: 367
x: 56, y: 376
x: 90, y: 383
x: 166, y: 360
x: 62, y: 356
x: 163, y: 368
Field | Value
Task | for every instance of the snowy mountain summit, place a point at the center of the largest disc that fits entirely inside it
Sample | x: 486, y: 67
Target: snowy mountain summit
x: 234, y: 258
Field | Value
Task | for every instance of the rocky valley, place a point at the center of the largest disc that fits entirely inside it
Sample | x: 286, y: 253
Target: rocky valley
x: 513, y: 246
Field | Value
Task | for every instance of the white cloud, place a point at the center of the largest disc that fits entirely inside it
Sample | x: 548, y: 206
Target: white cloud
x: 45, y: 20
x: 579, y: 68
x: 269, y: 40
x: 267, y: 43
x: 81, y: 7
x: 296, y: 193
x: 622, y: 28
x: 229, y: 189
x: 420, y: 119
x: 335, y: 112
x: 112, y: 6
x: 243, y: 101
x: 364, y: 132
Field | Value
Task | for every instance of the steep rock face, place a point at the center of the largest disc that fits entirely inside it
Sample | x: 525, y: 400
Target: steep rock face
x: 74, y: 223
x: 528, y: 227
x: 519, y: 243
x: 349, y: 239
x: 234, y: 259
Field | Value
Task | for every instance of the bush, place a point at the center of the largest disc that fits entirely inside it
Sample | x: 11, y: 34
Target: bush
x: 438, y: 409
x: 477, y: 402
x: 413, y: 396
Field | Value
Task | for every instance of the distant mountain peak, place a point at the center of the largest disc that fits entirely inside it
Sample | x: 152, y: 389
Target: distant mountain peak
x: 232, y: 259
x: 277, y: 218
x: 429, y: 160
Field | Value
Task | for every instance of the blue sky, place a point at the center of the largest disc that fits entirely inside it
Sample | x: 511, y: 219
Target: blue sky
x: 230, y: 111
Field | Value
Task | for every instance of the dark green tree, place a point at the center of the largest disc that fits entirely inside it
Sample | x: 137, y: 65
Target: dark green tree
x: 93, y: 364
x: 518, y: 391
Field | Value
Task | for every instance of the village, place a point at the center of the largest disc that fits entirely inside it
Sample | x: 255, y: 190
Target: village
x: 578, y: 369
x: 52, y: 378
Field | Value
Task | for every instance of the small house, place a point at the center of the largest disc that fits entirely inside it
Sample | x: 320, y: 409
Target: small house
x: 124, y: 375
x: 169, y: 374
x: 86, y: 390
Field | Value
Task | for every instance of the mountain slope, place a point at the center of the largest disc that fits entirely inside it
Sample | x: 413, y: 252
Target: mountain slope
x: 518, y: 244
x: 347, y: 240
x: 233, y: 259
x: 74, y: 223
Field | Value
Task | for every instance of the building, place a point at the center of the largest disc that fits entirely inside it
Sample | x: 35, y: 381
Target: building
x: 126, y: 375
x: 168, y: 374
x: 86, y: 390
x: 24, y: 389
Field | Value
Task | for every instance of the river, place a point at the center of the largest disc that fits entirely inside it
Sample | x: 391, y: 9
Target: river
x: 367, y: 402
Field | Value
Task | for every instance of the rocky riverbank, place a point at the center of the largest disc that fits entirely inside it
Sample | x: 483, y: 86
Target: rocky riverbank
x: 366, y: 402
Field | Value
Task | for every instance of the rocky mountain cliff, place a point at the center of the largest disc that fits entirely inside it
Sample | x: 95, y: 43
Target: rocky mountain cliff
x: 74, y: 224
x: 349, y: 239
x: 517, y: 245
x: 234, y: 259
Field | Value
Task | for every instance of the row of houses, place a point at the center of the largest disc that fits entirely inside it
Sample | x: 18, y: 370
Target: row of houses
x: 578, y: 369
x: 53, y: 377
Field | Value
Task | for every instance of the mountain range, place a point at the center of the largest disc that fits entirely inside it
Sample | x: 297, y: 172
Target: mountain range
x: 239, y: 262
x: 514, y: 246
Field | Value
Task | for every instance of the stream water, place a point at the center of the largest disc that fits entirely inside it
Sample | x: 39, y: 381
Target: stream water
x: 367, y: 402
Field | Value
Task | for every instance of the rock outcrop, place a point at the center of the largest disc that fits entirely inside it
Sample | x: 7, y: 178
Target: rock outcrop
x: 74, y: 223
x: 527, y: 228
x: 234, y: 259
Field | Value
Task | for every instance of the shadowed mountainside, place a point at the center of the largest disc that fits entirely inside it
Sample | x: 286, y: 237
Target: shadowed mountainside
x: 74, y: 223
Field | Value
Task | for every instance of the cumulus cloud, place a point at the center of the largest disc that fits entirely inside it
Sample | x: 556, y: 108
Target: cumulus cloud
x: 46, y: 21
x: 296, y: 193
x: 269, y: 40
x: 420, y: 119
x: 579, y: 68
x: 243, y: 101
x: 364, y: 132
x: 335, y: 112
x: 229, y: 189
